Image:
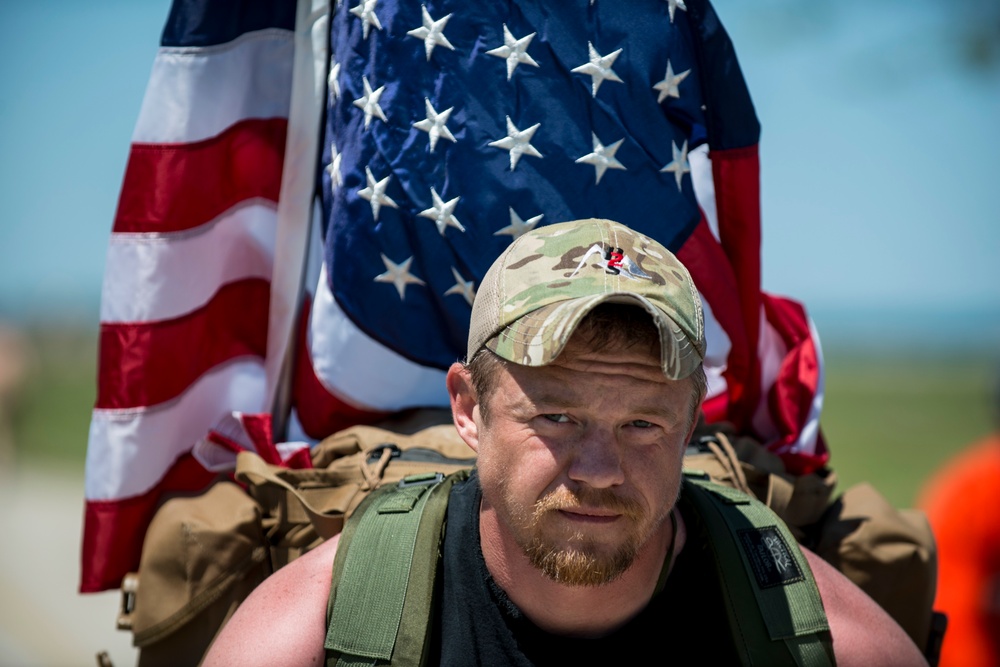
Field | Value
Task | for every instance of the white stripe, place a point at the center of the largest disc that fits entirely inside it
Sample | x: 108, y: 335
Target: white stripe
x: 809, y: 434
x: 704, y: 186
x: 152, y: 277
x: 297, y: 205
x: 130, y: 450
x: 195, y: 93
x: 717, y: 348
x: 362, y: 372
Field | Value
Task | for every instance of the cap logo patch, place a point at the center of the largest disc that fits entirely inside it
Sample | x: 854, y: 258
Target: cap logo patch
x: 614, y: 261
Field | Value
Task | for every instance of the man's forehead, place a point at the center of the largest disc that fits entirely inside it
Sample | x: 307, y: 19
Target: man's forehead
x: 638, y: 363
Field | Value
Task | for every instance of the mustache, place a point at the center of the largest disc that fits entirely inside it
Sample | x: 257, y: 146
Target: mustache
x: 566, y: 498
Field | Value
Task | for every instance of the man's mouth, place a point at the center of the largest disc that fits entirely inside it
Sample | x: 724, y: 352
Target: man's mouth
x: 596, y: 516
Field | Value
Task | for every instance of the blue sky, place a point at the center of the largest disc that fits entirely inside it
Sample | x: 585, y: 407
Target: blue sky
x: 879, y: 155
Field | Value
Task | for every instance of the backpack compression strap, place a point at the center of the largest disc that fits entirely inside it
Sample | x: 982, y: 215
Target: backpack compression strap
x: 384, y: 574
x: 772, y: 602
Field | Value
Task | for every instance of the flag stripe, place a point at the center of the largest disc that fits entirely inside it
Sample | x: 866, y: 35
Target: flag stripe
x: 106, y: 521
x: 148, y: 363
x: 195, y: 94
x: 796, y: 395
x: 159, y: 277
x: 204, y: 23
x: 318, y: 411
x: 174, y: 187
x: 714, y: 279
x: 129, y: 451
x: 737, y: 196
x: 350, y: 363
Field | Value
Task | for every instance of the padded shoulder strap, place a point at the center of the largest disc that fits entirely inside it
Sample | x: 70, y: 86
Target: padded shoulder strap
x: 772, y: 602
x: 384, y: 574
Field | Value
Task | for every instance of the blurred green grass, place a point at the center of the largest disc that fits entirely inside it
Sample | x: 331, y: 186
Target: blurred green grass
x: 53, y: 418
x: 888, y: 419
x: 894, y: 419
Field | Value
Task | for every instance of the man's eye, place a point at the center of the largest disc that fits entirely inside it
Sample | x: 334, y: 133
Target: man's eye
x: 641, y: 423
x: 557, y: 418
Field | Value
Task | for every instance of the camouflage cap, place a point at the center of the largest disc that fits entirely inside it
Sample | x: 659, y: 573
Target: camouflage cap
x: 543, y: 285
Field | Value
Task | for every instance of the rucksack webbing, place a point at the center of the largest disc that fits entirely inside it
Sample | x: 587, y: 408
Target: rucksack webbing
x: 777, y: 580
x: 384, y: 574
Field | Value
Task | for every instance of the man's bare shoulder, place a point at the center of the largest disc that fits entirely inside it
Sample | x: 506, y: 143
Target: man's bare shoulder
x: 284, y: 620
x: 863, y: 633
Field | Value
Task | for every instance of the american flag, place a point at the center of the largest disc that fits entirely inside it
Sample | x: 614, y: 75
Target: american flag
x: 382, y: 153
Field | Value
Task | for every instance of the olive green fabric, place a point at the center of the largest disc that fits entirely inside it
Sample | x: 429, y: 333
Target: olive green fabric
x: 385, y: 572
x: 773, y: 623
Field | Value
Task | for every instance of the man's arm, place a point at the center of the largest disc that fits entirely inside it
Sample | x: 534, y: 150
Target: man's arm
x: 283, y: 622
x: 863, y: 633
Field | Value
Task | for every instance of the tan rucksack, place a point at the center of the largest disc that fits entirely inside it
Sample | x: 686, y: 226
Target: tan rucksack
x: 203, y: 555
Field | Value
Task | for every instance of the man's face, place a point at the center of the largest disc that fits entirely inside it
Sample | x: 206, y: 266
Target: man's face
x: 581, y: 459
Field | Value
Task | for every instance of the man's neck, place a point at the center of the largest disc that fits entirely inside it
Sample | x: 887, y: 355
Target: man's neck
x: 585, y: 611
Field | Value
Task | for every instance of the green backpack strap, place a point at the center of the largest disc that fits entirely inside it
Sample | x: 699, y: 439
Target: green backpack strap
x: 384, y: 574
x: 772, y: 602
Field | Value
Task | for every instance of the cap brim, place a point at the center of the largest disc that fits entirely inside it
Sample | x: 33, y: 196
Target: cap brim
x: 538, y: 337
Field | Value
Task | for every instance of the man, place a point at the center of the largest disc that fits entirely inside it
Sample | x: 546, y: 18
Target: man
x: 569, y: 544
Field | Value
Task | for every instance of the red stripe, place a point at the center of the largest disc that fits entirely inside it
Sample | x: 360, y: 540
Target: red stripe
x: 714, y: 278
x: 258, y: 429
x: 320, y: 412
x: 736, y: 174
x: 113, y: 530
x: 225, y: 442
x: 149, y: 363
x: 172, y: 187
x: 791, y: 397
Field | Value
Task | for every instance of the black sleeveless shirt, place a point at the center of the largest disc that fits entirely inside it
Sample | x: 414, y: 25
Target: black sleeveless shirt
x: 477, y: 624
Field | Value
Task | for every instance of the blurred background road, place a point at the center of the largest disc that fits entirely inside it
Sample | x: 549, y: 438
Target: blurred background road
x: 42, y: 623
x: 878, y: 155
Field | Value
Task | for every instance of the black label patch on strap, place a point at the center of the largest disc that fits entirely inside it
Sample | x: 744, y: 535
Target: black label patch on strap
x: 769, y: 556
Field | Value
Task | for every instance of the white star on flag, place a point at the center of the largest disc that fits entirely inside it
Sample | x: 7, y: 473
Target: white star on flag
x: 369, y: 102
x: 442, y: 213
x: 432, y: 32
x: 668, y: 87
x: 399, y: 275
x: 366, y: 12
x: 603, y: 157
x: 518, y: 142
x: 333, y: 80
x: 680, y: 165
x: 599, y: 68
x: 375, y: 193
x: 672, y: 6
x: 515, y: 51
x: 463, y: 287
x: 518, y: 227
x: 333, y: 169
x: 435, y: 124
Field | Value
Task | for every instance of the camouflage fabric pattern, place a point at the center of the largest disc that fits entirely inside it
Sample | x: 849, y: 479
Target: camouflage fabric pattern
x: 537, y: 292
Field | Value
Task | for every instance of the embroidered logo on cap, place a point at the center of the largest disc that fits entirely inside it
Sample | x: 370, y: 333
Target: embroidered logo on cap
x: 614, y: 262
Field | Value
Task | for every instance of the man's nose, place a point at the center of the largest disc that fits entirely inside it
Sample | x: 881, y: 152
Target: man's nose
x: 597, y: 460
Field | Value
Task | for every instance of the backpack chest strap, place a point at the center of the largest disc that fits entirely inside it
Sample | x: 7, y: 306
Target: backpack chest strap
x: 384, y: 573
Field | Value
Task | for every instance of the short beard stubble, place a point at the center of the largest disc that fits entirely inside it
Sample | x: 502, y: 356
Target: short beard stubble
x: 581, y: 563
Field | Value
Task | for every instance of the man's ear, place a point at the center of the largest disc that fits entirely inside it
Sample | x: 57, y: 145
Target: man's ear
x: 464, y: 404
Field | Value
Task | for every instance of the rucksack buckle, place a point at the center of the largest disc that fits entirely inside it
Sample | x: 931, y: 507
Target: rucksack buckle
x: 423, y: 479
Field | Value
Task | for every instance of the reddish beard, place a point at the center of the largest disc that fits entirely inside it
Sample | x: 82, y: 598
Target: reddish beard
x: 582, y: 560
